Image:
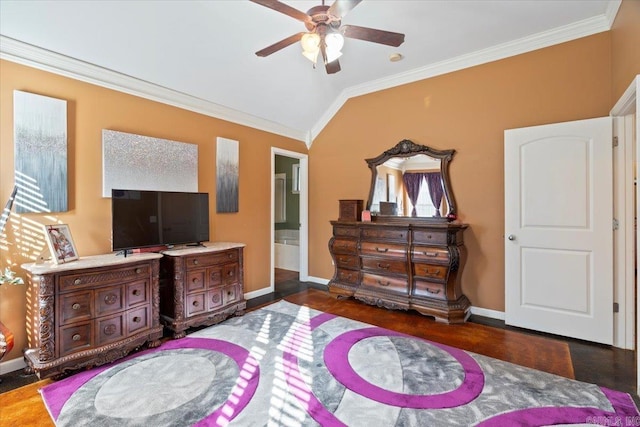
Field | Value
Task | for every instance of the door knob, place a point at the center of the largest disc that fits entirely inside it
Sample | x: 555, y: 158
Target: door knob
x: 511, y: 237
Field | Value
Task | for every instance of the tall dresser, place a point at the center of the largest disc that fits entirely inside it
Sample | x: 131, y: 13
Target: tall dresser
x: 402, y: 266
x: 90, y: 311
x: 201, y: 285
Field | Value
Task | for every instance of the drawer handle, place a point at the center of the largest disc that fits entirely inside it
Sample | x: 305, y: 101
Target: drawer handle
x: 383, y: 250
x: 137, y: 319
x: 195, y: 280
x: 343, y: 259
x: 230, y: 274
x: 428, y: 236
x: 77, y: 281
x: 347, y: 276
x: 432, y: 272
x: 229, y: 293
x: 383, y: 283
x: 433, y: 291
x: 230, y: 256
x: 384, y: 266
x: 138, y: 270
x: 136, y: 292
x: 75, y: 306
x: 110, y: 299
x: 76, y: 337
x: 432, y: 254
x: 195, y: 261
x: 196, y: 303
x: 215, y: 298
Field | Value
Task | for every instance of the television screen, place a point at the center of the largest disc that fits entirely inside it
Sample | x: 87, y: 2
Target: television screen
x: 155, y: 218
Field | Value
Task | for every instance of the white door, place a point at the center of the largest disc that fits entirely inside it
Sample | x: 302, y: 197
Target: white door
x: 558, y: 229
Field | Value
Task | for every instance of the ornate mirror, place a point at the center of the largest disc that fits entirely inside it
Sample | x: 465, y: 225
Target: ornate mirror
x: 411, y: 180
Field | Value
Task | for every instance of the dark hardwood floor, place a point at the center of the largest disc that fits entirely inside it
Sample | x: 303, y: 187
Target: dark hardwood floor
x: 603, y: 365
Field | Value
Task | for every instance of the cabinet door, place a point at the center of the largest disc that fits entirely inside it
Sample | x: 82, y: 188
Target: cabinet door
x: 230, y: 273
x: 195, y: 281
x: 74, y: 338
x: 137, y: 293
x: 110, y: 329
x: 195, y: 304
x: 137, y: 320
x: 75, y: 306
x: 109, y: 300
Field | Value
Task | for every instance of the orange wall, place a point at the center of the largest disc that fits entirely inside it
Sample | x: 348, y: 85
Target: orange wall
x: 468, y: 111
x: 625, y: 40
x: 91, y: 109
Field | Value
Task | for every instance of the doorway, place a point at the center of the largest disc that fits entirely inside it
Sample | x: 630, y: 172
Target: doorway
x: 289, y: 232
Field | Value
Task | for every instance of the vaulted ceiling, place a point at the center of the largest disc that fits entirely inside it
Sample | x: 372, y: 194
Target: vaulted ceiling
x: 200, y: 55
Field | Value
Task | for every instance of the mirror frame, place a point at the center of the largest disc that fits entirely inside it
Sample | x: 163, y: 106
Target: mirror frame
x: 407, y: 148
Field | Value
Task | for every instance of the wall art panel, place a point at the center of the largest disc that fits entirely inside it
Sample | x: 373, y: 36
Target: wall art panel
x: 135, y: 162
x: 227, y: 173
x: 40, y: 155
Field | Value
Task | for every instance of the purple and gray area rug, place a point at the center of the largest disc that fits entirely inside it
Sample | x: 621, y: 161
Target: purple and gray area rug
x: 288, y: 365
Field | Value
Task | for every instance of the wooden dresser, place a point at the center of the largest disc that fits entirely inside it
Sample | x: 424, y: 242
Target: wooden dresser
x: 90, y: 311
x: 201, y: 285
x: 401, y: 266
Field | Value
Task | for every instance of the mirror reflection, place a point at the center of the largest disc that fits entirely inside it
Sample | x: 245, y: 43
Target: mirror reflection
x: 411, y: 180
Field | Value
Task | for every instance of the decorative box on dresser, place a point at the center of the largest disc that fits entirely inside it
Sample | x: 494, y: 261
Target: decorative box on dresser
x: 90, y: 311
x: 403, y: 265
x: 201, y: 285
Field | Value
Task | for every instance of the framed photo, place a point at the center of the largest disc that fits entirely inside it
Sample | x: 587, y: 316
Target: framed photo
x: 60, y: 243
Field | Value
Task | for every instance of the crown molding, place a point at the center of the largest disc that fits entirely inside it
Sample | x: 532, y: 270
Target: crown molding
x: 552, y: 37
x: 42, y: 59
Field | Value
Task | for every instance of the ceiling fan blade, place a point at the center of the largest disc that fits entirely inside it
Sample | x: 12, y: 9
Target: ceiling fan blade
x: 372, y: 35
x: 280, y: 45
x: 339, y: 8
x: 283, y: 8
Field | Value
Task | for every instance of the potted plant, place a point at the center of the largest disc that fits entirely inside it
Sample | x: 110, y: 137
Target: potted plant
x: 6, y: 337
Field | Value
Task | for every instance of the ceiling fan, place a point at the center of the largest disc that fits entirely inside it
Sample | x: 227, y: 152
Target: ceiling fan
x: 325, y: 33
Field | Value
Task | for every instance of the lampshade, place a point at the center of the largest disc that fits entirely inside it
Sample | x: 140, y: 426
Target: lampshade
x: 334, y: 42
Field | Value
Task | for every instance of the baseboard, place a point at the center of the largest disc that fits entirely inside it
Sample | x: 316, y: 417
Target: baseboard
x: 318, y: 280
x: 258, y: 293
x: 12, y: 365
x: 485, y: 312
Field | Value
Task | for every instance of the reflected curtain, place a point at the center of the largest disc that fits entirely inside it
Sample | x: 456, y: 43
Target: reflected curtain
x: 434, y: 181
x: 412, y: 183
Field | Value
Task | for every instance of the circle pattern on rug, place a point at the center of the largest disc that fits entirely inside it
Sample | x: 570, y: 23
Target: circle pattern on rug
x: 336, y: 357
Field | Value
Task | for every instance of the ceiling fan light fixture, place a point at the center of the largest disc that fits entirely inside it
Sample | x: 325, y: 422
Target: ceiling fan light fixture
x: 310, y: 46
x: 312, y: 56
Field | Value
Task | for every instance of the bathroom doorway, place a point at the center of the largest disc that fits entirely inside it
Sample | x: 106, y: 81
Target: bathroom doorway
x: 289, y: 219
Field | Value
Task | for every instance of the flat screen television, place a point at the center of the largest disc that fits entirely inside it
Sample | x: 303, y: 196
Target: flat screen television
x: 142, y: 218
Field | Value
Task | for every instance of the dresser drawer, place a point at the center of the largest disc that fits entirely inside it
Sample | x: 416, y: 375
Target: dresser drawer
x: 348, y: 261
x: 397, y: 234
x: 344, y: 246
x: 381, y: 249
x: 137, y: 293
x: 230, y: 273
x: 385, y: 284
x: 195, y: 304
x: 138, y: 320
x: 430, y: 237
x: 195, y: 281
x: 67, y: 282
x: 344, y: 231
x: 430, y: 254
x: 109, y: 300
x: 110, y: 329
x: 214, y: 298
x: 348, y: 276
x: 215, y: 276
x: 230, y: 294
x: 385, y: 265
x: 426, y: 289
x: 75, y: 338
x: 437, y: 272
x: 206, y: 260
x: 75, y: 306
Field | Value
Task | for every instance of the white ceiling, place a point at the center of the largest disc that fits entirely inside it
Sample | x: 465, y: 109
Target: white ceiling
x: 200, y: 55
